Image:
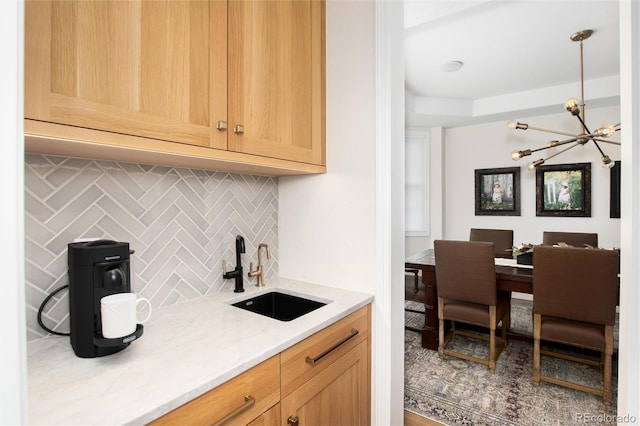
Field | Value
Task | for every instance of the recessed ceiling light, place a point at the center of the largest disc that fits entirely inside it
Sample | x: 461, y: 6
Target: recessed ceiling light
x: 452, y: 66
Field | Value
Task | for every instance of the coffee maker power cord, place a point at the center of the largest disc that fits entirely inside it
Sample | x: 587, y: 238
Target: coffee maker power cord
x: 43, y: 304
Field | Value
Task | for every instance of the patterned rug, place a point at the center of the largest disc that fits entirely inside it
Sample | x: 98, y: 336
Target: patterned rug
x: 458, y: 392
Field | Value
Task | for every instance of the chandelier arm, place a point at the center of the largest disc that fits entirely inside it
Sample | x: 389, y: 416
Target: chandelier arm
x: 560, y: 152
x: 557, y: 132
x: 558, y: 143
x: 584, y: 125
x: 598, y: 146
x: 606, y: 141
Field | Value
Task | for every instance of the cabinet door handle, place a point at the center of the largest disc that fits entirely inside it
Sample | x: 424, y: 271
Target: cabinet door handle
x: 293, y: 421
x: 248, y: 403
x: 221, y: 125
x: 313, y: 360
x: 239, y: 129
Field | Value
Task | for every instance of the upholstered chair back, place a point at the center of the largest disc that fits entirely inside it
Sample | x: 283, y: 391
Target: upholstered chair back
x: 574, y: 239
x: 502, y: 240
x: 579, y: 284
x: 465, y: 270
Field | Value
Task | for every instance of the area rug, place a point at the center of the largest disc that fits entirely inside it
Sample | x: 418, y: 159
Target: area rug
x: 458, y: 392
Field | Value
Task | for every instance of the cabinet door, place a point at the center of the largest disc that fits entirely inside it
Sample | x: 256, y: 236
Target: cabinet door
x: 155, y: 69
x: 269, y: 418
x: 276, y: 79
x: 338, y: 396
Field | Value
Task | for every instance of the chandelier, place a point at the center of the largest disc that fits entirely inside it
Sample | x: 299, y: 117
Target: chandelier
x: 576, y: 108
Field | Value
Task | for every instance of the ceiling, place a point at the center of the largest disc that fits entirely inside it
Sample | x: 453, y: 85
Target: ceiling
x: 518, y: 58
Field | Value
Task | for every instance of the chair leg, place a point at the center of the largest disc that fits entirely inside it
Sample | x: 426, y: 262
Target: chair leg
x: 492, y: 338
x: 441, y: 327
x: 608, y: 353
x: 537, y: 322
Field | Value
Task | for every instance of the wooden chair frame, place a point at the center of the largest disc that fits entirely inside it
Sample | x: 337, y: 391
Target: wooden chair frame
x: 605, y: 363
x: 496, y: 345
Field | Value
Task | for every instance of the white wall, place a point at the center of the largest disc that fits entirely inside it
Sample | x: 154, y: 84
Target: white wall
x: 490, y: 145
x: 345, y: 228
x: 12, y: 335
x: 628, y: 365
x: 327, y: 222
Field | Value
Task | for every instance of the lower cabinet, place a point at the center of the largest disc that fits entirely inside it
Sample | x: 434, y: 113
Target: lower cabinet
x: 236, y: 402
x: 268, y: 418
x: 337, y: 396
x: 323, y: 380
x: 326, y: 377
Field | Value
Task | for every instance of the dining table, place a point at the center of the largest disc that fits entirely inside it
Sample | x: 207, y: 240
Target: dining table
x: 510, y: 276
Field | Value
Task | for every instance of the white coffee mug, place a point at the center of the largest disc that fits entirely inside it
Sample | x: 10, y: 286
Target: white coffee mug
x: 120, y: 314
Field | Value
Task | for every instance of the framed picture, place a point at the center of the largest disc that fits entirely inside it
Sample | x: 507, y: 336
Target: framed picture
x: 498, y: 191
x: 564, y: 190
x: 614, y: 197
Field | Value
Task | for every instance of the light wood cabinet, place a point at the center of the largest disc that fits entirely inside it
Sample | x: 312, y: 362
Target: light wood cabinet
x: 326, y: 377
x: 269, y: 418
x: 323, y: 380
x: 168, y: 82
x: 241, y: 400
x: 154, y: 69
x: 276, y: 82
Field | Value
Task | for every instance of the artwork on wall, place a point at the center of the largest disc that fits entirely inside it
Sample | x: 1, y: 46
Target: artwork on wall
x: 614, y: 198
x: 564, y: 190
x: 497, y: 191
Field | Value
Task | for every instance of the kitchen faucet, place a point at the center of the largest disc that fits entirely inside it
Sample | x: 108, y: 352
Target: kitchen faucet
x: 237, y: 272
x: 258, y: 271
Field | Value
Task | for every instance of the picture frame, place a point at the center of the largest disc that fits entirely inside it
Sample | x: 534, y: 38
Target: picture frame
x: 497, y: 191
x: 614, y: 194
x: 564, y: 190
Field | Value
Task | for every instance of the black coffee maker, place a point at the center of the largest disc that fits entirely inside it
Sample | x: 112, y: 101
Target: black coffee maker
x: 96, y: 269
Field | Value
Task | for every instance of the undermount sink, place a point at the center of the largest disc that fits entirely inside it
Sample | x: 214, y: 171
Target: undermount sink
x: 278, y: 305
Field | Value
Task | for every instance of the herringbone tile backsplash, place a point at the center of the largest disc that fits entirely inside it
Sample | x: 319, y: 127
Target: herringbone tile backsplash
x: 182, y: 224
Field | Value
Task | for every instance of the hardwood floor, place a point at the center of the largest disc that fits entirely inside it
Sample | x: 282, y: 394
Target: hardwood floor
x: 412, y: 419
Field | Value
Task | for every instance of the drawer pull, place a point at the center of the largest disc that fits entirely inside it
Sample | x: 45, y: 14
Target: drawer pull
x: 293, y: 421
x: 351, y: 335
x: 248, y: 403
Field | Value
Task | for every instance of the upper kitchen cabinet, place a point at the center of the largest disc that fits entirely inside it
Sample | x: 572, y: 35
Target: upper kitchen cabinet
x: 233, y: 86
x: 153, y: 69
x: 276, y: 79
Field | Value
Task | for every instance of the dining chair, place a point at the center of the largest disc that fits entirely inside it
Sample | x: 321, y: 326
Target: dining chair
x: 574, y: 239
x: 466, y: 287
x: 502, y: 240
x: 574, y: 303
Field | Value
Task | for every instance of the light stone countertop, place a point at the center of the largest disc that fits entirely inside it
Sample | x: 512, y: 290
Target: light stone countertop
x: 186, y: 350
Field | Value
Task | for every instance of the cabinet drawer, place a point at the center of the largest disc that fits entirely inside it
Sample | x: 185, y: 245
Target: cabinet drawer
x: 314, y: 354
x: 260, y: 383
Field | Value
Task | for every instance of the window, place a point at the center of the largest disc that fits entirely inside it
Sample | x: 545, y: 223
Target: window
x: 416, y: 184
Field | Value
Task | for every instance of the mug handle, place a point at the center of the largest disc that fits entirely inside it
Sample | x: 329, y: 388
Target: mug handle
x: 142, y: 299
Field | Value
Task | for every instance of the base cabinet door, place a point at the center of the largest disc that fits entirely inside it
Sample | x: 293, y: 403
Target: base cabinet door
x: 268, y: 418
x: 338, y: 396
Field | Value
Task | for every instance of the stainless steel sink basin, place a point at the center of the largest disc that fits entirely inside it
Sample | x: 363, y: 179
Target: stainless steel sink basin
x: 278, y: 305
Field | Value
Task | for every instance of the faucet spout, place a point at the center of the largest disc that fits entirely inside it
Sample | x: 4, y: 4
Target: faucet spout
x: 266, y: 247
x: 258, y: 272
x: 239, y: 249
x: 237, y: 273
